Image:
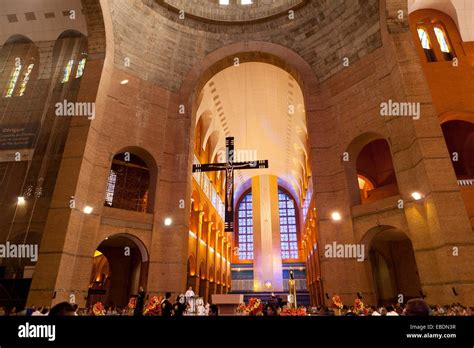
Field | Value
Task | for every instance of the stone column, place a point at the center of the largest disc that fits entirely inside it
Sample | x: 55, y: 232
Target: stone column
x: 266, y: 226
x: 198, y: 241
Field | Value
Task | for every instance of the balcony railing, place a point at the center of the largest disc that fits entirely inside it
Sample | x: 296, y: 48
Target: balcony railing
x: 466, y: 182
x: 203, y: 181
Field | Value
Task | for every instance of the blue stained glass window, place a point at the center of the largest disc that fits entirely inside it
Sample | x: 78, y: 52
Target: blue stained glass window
x: 288, y: 230
x: 245, y: 228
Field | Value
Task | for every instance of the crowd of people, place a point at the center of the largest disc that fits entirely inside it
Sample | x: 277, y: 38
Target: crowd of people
x: 274, y: 307
x: 414, y: 307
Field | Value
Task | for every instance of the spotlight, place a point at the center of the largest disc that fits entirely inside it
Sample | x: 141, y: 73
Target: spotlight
x: 168, y: 221
x: 336, y: 216
x: 88, y: 210
x: 124, y: 82
x: 416, y: 196
x: 21, y: 200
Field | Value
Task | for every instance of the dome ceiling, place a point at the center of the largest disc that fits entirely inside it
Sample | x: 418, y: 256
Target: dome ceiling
x: 235, y: 11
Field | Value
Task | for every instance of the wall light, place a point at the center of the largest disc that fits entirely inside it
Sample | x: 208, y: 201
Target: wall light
x: 88, y: 210
x: 168, y: 221
x: 416, y: 196
x: 124, y: 82
x: 21, y: 200
x: 336, y: 216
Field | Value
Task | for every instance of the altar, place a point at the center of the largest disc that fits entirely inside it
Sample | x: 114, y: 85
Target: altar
x: 227, y: 303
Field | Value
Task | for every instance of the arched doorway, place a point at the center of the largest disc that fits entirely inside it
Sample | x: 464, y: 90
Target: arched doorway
x: 120, y: 267
x: 393, y: 265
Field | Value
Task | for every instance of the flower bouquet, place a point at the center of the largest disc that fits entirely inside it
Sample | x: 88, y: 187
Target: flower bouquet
x: 98, y: 309
x: 254, y: 307
x: 132, y: 303
x: 294, y: 312
x: 154, y: 307
x: 337, y: 304
x: 359, y: 307
x: 358, y: 304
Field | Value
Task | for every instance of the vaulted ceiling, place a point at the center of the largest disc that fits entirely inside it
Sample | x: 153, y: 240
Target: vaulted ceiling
x: 261, y: 106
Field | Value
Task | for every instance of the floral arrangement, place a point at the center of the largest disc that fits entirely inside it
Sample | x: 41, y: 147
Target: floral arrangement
x: 132, y: 303
x: 359, y: 307
x: 254, y: 307
x: 358, y: 304
x: 337, y: 302
x: 98, y: 309
x: 294, y: 312
x: 154, y: 307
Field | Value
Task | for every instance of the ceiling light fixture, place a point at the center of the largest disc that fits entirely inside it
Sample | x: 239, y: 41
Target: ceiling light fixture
x: 336, y: 216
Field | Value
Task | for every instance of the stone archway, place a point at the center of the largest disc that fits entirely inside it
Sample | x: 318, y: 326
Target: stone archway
x: 119, y: 269
x: 225, y: 57
x: 393, y: 269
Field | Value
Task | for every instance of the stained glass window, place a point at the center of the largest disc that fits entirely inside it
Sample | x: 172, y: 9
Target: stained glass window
x: 444, y: 43
x: 426, y: 44
x: 442, y: 40
x: 13, y: 80
x: 80, y: 67
x: 288, y: 231
x: 424, y: 39
x: 245, y: 228
x: 67, y: 71
x: 26, y: 78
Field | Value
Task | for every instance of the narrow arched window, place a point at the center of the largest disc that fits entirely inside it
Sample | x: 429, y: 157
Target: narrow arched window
x: 444, y: 43
x: 288, y: 229
x: 245, y: 228
x: 26, y: 78
x: 13, y: 80
x: 426, y: 44
x: 67, y: 71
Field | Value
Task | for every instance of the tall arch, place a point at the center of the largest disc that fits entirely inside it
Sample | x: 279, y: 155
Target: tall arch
x: 50, y: 268
x: 119, y: 269
x: 360, y: 163
x: 392, y: 268
x: 144, y: 169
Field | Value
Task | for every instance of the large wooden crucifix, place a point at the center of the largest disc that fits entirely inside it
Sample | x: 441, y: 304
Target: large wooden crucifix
x: 229, y: 168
